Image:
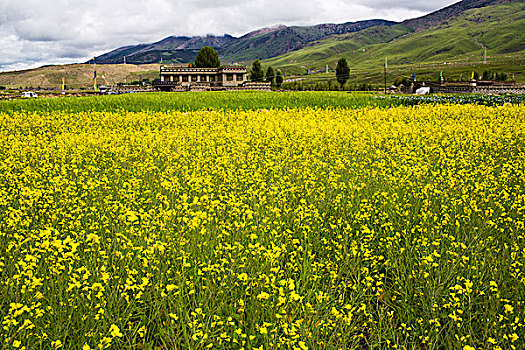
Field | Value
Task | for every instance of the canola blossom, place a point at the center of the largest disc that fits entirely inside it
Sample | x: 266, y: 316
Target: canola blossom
x: 301, y: 228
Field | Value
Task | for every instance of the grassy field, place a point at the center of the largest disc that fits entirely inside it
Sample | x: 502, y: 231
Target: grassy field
x: 512, y: 64
x: 125, y: 226
x: 195, y: 101
x: 247, y: 100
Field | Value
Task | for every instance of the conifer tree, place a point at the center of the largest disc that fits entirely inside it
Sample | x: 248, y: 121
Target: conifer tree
x: 207, y: 58
x: 257, y: 73
x: 342, y: 72
x: 270, y: 75
x: 279, y: 79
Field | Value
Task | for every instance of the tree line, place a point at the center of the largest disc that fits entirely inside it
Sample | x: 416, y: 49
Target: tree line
x: 342, y: 73
x: 257, y: 74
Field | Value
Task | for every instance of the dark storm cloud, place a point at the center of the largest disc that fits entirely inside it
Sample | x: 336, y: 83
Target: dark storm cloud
x: 37, y: 32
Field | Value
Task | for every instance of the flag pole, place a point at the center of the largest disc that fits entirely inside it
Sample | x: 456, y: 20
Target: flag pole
x: 95, y: 74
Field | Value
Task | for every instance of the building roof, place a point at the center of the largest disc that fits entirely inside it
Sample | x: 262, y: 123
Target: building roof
x: 225, y: 69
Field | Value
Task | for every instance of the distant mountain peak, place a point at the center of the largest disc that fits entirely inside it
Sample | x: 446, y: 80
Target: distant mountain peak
x: 265, y: 30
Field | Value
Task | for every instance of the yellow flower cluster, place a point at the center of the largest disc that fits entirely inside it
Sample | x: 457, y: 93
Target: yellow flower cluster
x: 290, y: 229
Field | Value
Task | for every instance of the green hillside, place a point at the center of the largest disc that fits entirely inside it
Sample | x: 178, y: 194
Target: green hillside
x: 457, y: 40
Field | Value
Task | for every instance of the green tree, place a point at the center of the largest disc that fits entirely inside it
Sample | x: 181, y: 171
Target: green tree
x: 257, y: 73
x: 501, y: 77
x: 270, y: 75
x: 207, y: 58
x: 342, y: 72
x: 279, y: 79
x: 332, y: 86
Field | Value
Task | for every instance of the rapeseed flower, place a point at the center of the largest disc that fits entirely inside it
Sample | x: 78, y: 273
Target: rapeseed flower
x: 295, y: 228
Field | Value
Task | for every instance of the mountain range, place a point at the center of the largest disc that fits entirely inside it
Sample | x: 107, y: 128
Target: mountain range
x: 259, y: 44
x: 285, y: 41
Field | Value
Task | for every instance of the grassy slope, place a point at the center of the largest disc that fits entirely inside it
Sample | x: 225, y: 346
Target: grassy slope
x: 458, y: 40
x: 78, y: 75
x: 428, y: 71
x: 328, y: 51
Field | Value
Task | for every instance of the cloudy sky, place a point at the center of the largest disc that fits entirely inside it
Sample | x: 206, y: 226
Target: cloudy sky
x: 38, y: 32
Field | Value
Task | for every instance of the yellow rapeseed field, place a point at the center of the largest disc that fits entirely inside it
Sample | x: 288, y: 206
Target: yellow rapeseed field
x: 289, y: 229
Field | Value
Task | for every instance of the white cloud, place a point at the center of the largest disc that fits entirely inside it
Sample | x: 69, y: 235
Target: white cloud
x: 38, y: 32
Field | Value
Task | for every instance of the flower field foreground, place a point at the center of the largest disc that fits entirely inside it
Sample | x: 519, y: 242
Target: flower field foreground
x: 292, y: 229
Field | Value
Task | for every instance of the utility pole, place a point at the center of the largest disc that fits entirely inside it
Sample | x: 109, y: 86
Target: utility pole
x: 124, y: 59
x: 485, y: 56
x: 386, y: 64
